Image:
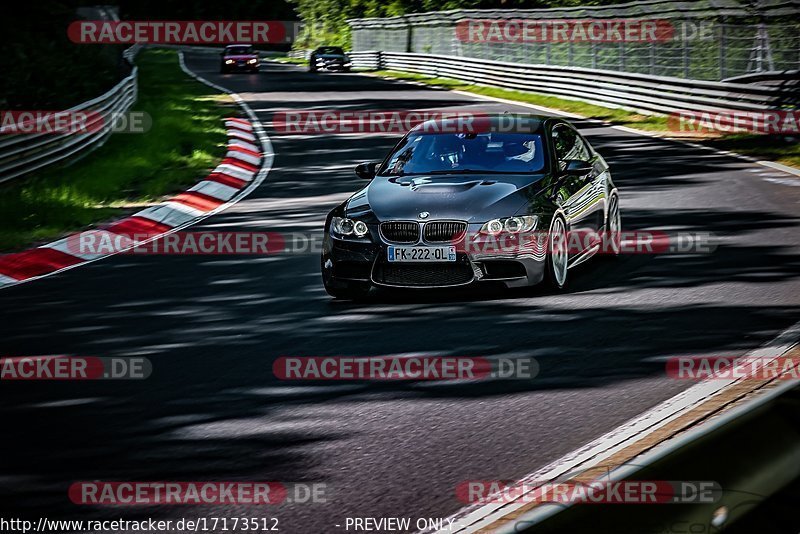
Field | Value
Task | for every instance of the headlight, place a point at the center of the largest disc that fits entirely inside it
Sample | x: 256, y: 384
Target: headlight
x: 512, y: 225
x: 345, y: 226
x: 228, y: 61
x: 360, y: 228
x: 252, y: 61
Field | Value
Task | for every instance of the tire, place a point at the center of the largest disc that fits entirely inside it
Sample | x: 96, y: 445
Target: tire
x: 349, y: 291
x: 613, y: 227
x: 556, y: 273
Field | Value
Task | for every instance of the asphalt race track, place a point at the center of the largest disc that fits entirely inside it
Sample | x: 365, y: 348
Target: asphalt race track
x: 213, y: 325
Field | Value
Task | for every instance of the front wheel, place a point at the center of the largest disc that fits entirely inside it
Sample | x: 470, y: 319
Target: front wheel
x: 557, y: 258
x: 614, y: 227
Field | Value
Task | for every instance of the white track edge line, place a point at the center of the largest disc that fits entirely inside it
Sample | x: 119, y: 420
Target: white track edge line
x: 622, y: 436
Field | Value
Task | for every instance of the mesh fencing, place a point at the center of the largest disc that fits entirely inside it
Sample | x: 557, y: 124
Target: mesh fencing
x: 709, y: 40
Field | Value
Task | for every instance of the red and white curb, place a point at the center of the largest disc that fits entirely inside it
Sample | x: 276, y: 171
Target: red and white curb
x: 243, y: 169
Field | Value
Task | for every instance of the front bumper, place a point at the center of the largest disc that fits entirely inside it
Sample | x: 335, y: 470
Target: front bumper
x: 333, y: 66
x: 346, y: 261
x: 243, y: 67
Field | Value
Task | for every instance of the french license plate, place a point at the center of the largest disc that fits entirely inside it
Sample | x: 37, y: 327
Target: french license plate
x: 417, y: 254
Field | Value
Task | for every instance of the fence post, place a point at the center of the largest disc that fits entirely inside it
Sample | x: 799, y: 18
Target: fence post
x: 685, y: 53
x: 652, y: 59
x: 722, y: 52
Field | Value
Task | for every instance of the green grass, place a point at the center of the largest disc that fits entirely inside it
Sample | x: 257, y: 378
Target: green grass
x: 186, y: 140
x: 771, y: 148
x: 612, y: 116
x: 766, y: 147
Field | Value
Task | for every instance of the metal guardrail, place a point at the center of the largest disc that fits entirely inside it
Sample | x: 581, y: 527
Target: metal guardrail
x: 712, y: 39
x: 637, y: 92
x: 299, y: 54
x: 23, y: 153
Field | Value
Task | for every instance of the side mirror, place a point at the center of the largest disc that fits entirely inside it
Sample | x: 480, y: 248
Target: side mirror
x: 367, y: 170
x: 576, y: 167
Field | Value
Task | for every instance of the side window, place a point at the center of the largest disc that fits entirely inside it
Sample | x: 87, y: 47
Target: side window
x: 569, y: 145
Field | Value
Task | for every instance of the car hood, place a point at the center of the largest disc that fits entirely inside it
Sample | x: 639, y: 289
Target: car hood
x: 473, y: 198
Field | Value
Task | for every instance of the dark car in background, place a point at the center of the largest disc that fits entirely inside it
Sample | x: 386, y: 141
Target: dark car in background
x: 330, y: 58
x: 239, y: 58
x: 437, y: 207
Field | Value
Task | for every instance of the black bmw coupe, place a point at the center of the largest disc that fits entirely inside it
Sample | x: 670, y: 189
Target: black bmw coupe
x: 330, y: 58
x: 516, y: 199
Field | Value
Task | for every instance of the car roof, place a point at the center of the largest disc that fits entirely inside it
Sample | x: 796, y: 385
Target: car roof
x: 478, y: 122
x: 237, y: 45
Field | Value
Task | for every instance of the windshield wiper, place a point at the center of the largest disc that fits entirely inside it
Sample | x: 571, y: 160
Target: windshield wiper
x: 458, y: 171
x: 473, y: 171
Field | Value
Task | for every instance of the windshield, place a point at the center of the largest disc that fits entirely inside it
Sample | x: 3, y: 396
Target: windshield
x: 330, y: 50
x: 466, y: 154
x: 238, y: 50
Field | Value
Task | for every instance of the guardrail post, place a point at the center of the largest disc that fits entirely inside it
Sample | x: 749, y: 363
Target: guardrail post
x: 135, y: 93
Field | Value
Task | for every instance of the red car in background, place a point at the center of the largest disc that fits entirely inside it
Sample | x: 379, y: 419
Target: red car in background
x: 239, y: 57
